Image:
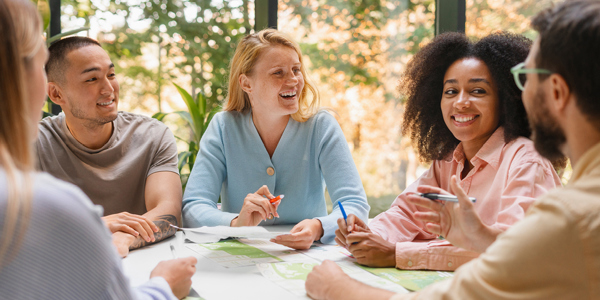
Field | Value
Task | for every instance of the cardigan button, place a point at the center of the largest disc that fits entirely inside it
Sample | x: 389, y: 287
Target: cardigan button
x: 450, y: 264
x: 410, y: 263
x: 270, y: 171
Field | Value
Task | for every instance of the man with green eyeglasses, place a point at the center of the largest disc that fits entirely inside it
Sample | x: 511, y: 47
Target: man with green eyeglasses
x: 554, y: 252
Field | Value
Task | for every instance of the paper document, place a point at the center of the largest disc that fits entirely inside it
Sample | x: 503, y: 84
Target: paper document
x: 322, y: 252
x: 201, y: 238
x: 253, y: 232
x: 292, y: 276
x: 410, y: 279
x: 244, y: 252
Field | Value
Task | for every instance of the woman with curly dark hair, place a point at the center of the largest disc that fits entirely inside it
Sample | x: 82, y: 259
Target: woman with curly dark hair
x: 464, y: 115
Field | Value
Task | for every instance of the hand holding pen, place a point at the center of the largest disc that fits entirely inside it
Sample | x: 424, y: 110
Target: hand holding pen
x: 459, y: 224
x: 257, y: 207
x: 346, y: 225
x: 368, y: 248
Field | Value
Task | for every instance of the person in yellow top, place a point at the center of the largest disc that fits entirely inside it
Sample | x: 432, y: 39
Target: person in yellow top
x: 554, y: 252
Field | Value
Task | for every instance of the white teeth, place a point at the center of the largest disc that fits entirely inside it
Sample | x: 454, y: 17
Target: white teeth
x: 288, y: 94
x: 464, y: 119
x: 107, y: 103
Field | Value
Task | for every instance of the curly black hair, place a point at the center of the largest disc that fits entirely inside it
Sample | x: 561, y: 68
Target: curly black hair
x: 422, y: 85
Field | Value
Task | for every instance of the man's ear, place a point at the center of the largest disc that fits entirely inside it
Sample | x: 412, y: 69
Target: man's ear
x: 245, y: 83
x: 55, y: 93
x: 560, y: 92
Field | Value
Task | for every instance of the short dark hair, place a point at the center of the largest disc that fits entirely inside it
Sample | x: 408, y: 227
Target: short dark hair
x: 570, y: 45
x: 57, y: 59
x: 422, y: 86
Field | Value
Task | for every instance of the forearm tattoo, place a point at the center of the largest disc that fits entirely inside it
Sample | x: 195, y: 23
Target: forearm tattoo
x: 164, y: 231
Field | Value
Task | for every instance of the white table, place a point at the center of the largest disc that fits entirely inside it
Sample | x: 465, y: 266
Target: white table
x: 211, y: 280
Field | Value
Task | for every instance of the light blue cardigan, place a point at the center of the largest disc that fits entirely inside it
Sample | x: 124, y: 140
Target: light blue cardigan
x: 233, y: 162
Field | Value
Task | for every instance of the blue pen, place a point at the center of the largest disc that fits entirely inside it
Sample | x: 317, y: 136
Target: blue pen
x: 343, y: 212
x: 344, y: 215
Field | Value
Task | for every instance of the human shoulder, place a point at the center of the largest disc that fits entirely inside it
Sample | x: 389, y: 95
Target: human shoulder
x: 522, y: 151
x: 581, y: 198
x: 323, y: 123
x: 231, y: 117
x: 325, y: 117
x: 51, y: 124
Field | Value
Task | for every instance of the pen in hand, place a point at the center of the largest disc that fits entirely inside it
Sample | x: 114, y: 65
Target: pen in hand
x: 276, y: 199
x: 173, y: 252
x: 450, y: 198
x: 345, y: 216
x: 192, y: 292
x: 272, y: 201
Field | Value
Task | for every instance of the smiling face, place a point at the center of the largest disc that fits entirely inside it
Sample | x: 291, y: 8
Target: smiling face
x: 275, y: 83
x: 470, y: 104
x: 90, y: 90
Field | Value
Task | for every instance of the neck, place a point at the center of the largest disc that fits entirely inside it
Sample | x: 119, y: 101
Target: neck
x: 93, y: 137
x: 270, y: 129
x: 581, y: 137
x: 471, y: 148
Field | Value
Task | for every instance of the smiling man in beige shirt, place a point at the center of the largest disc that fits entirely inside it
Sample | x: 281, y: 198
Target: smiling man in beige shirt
x: 554, y: 252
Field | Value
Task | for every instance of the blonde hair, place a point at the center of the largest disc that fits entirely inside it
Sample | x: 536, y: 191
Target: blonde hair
x: 20, y: 39
x: 244, y: 59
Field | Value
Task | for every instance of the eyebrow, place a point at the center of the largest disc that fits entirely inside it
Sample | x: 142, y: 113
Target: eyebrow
x: 112, y: 65
x: 472, y: 80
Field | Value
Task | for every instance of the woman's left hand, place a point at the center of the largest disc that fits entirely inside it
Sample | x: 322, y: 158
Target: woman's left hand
x: 302, y: 235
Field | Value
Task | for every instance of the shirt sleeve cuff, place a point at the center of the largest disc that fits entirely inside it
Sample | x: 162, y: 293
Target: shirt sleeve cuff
x: 431, y: 255
x: 155, y: 288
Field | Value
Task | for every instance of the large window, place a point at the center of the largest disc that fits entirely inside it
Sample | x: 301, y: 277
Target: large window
x: 159, y: 42
x: 357, y: 51
x: 486, y: 16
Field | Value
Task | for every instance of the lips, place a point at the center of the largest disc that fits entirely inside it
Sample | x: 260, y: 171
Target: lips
x: 463, y: 119
x: 288, y: 94
x: 106, y: 103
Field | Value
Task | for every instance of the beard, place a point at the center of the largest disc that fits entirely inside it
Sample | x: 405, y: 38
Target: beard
x: 548, y: 138
x: 90, y: 120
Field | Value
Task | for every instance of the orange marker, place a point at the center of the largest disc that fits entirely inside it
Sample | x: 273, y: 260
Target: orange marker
x: 276, y: 199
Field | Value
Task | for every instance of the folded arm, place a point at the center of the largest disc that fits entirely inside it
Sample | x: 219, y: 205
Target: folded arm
x: 163, y: 202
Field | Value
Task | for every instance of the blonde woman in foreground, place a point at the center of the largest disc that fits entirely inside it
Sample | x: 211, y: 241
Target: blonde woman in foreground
x: 53, y: 244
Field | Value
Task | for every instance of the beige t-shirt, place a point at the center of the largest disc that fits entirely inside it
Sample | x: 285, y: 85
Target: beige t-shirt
x: 113, y: 176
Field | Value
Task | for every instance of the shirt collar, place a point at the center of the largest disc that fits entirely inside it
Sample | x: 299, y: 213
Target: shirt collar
x: 587, y: 163
x: 489, y: 152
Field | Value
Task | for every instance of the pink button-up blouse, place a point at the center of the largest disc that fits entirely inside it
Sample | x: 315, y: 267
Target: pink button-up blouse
x: 506, y: 179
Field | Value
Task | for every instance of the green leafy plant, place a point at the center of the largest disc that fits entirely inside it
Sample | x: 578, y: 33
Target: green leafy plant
x: 198, y: 117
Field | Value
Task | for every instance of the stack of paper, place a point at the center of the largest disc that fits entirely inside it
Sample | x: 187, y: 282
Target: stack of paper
x: 206, y: 234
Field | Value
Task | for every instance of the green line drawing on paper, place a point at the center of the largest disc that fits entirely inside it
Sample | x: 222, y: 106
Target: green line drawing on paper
x: 410, y: 279
x: 235, y: 247
x: 293, y: 270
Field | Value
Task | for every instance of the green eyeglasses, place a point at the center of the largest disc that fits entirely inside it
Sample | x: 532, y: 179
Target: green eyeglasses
x: 519, y: 72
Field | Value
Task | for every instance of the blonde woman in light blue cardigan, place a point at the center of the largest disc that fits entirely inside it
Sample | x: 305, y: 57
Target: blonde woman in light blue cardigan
x: 272, y: 139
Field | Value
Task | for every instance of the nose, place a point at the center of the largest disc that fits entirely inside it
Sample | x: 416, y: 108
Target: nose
x: 462, y: 101
x: 293, y: 78
x: 107, y: 87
